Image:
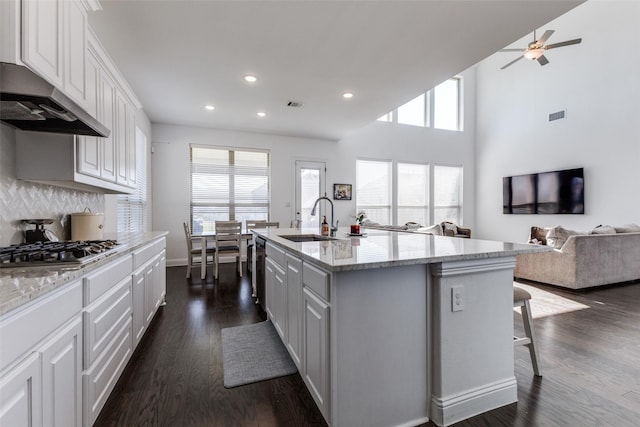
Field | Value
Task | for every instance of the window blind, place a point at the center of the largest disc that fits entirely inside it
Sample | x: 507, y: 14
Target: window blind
x: 413, y: 193
x: 132, y: 208
x: 228, y: 184
x: 373, y: 189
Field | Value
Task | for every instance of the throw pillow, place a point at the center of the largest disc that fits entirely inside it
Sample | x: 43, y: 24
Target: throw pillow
x: 603, y: 229
x: 436, y: 230
x: 539, y: 234
x: 628, y: 228
x: 557, y: 236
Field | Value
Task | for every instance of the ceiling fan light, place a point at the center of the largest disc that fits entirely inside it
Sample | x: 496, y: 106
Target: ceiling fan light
x: 534, y: 54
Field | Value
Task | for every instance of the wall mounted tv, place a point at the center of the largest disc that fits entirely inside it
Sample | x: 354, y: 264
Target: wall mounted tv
x: 557, y: 192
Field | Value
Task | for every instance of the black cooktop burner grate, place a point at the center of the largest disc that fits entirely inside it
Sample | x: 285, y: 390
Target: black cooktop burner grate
x: 54, y: 252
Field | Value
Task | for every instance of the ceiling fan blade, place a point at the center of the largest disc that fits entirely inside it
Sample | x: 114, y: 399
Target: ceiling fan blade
x: 542, y: 60
x: 565, y: 43
x: 545, y: 36
x: 513, y: 50
x: 515, y: 60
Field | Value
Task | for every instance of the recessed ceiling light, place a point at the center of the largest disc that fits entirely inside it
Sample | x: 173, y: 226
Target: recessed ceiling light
x: 347, y: 95
x: 210, y: 107
x: 261, y: 114
x: 250, y: 78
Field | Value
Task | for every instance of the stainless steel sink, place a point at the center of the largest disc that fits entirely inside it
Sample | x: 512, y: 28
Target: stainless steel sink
x: 307, y: 237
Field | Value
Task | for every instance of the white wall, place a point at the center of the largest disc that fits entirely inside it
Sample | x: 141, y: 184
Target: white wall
x: 597, y: 83
x: 170, y: 164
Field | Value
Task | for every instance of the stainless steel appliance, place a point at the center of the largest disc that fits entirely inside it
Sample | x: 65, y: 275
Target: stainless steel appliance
x: 260, y: 271
x: 72, y: 253
x: 29, y: 102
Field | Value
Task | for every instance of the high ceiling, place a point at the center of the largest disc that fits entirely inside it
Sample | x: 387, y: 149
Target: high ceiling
x: 180, y: 55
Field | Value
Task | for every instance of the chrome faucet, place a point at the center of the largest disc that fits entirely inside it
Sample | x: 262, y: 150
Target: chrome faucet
x: 313, y: 213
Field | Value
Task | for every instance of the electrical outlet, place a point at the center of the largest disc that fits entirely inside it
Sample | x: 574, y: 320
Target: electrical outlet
x: 457, y: 298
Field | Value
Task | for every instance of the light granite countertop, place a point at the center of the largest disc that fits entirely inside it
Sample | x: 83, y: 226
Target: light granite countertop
x: 382, y: 248
x: 20, y: 285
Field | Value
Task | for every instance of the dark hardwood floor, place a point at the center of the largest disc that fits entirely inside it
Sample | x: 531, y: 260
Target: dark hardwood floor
x: 589, y: 345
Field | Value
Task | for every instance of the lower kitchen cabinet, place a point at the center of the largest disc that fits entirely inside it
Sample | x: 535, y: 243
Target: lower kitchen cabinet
x: 316, y: 349
x: 297, y: 303
x: 21, y: 394
x: 294, y: 304
x: 61, y: 378
x: 149, y: 286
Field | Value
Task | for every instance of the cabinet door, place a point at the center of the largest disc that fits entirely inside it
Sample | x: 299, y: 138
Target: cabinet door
x: 20, y: 394
x: 280, y: 300
x: 75, y: 49
x: 149, y: 295
x: 89, y: 147
x: 294, y: 306
x: 316, y: 349
x: 269, y: 278
x: 139, y: 325
x: 42, y: 41
x: 107, y: 117
x: 131, y: 146
x: 121, y: 138
x: 62, y: 378
x: 159, y: 279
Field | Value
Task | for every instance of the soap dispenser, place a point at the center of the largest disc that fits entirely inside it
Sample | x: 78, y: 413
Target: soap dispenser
x: 325, y: 226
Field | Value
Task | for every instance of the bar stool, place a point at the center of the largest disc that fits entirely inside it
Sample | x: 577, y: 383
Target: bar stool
x: 521, y: 299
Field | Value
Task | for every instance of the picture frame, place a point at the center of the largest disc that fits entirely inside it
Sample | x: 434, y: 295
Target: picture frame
x: 341, y: 191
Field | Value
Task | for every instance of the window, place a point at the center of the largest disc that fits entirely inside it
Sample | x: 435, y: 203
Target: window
x: 440, y: 106
x: 227, y: 185
x: 132, y: 208
x: 413, y: 112
x: 446, y: 101
x: 447, y: 201
x: 373, y: 189
x: 413, y: 193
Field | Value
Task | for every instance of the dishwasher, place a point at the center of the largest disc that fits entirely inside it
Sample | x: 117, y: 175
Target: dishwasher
x: 260, y: 271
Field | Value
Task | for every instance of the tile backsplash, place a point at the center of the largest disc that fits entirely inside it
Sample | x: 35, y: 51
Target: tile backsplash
x: 27, y: 200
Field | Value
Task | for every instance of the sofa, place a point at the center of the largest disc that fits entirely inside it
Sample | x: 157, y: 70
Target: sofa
x: 606, y: 255
x: 444, y: 228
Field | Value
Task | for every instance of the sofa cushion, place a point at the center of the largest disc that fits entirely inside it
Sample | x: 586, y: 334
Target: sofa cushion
x: 558, y: 235
x: 435, y: 229
x: 538, y: 235
x: 628, y: 228
x: 603, y: 229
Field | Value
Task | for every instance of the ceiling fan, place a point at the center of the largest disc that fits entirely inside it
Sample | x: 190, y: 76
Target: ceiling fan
x: 535, y: 50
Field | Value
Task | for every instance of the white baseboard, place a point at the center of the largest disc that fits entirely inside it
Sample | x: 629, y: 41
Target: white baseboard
x: 452, y: 409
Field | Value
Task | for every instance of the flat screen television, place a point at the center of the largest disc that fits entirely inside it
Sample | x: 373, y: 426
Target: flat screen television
x: 557, y: 192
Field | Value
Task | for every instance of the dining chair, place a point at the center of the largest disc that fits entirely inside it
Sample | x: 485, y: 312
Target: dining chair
x: 194, y: 250
x: 521, y: 299
x: 253, y: 225
x: 228, y: 243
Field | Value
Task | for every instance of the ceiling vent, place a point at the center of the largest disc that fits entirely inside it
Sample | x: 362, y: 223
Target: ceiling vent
x: 557, y: 115
x: 294, y: 104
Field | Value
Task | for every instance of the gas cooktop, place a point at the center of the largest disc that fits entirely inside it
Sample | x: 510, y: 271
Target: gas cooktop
x: 52, y: 253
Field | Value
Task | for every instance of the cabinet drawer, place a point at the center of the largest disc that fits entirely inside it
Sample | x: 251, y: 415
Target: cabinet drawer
x: 96, y: 284
x: 142, y: 255
x: 276, y: 254
x: 23, y: 329
x: 104, y: 318
x: 316, y: 280
x: 159, y: 245
x: 98, y: 382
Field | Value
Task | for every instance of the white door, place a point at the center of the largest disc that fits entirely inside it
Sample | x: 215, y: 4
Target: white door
x: 310, y: 184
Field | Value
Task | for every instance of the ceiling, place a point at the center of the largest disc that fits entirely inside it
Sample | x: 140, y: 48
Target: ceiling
x: 180, y: 55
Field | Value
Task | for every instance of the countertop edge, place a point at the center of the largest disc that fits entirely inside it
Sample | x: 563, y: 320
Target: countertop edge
x: 20, y: 286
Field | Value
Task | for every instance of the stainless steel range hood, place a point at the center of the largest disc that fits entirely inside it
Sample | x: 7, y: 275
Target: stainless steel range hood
x: 30, y: 103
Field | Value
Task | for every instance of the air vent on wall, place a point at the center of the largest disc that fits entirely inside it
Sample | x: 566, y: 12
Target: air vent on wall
x: 557, y: 115
x: 294, y: 104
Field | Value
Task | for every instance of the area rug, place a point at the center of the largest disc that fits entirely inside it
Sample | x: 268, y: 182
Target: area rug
x: 253, y: 353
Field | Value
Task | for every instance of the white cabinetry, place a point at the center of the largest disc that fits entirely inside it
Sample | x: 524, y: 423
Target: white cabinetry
x: 297, y: 303
x: 54, y: 43
x: 62, y: 377
x: 21, y: 394
x: 41, y: 361
x: 149, y: 286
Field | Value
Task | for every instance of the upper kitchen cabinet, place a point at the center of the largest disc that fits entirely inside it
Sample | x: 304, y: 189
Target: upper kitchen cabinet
x: 54, y: 43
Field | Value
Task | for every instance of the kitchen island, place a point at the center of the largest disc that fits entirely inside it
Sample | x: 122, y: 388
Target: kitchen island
x: 396, y: 328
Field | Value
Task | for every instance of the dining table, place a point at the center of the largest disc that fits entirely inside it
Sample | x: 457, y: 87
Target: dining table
x: 209, y: 236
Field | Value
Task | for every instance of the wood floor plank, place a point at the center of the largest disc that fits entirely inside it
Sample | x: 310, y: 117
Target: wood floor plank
x: 590, y: 359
